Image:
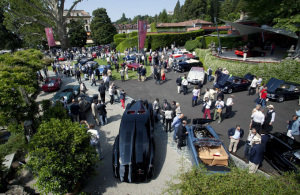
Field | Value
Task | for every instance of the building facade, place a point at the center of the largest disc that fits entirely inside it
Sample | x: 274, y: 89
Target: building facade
x: 128, y: 28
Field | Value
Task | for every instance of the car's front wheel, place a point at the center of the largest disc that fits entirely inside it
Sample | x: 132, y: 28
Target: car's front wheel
x: 280, y: 99
x: 182, y: 70
x: 229, y: 91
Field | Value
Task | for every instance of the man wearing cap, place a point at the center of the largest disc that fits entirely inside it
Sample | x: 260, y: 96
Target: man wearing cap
x: 258, y: 119
x: 269, y: 119
x: 296, y: 127
x: 235, y: 134
x: 249, y: 142
x: 256, y: 155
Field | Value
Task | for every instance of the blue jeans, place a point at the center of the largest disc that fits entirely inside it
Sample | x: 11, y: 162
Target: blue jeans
x: 209, y: 77
x: 98, y: 149
x: 175, y: 132
x: 101, y: 119
x: 247, y: 150
x: 157, y: 80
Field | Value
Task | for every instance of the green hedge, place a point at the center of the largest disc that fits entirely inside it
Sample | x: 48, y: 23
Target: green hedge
x: 128, y: 43
x: 155, y: 41
x: 286, y: 70
x: 119, y: 40
x: 220, y: 32
x: 229, y: 42
x: 192, y: 45
x: 153, y: 27
x: 133, y: 34
x: 119, y: 36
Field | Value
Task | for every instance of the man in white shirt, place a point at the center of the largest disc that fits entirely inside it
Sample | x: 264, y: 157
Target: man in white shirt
x: 229, y: 104
x: 184, y: 85
x: 95, y: 140
x: 259, y: 81
x: 218, y: 109
x: 235, y: 134
x: 258, y: 119
x: 252, y: 133
x: 253, y: 86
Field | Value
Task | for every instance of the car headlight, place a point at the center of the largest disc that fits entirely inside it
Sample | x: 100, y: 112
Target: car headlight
x: 51, y: 85
x: 65, y: 97
x: 225, y: 87
x: 272, y: 95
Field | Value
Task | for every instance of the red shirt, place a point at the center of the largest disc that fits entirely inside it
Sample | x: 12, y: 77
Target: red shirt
x: 263, y: 94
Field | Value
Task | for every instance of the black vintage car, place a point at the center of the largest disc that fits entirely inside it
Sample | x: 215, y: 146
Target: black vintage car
x: 187, y: 64
x: 229, y: 84
x: 133, y: 150
x: 280, y: 90
x: 85, y: 60
x: 283, y: 152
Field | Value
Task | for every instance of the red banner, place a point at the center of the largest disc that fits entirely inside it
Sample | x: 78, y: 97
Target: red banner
x: 50, y: 38
x: 142, y: 33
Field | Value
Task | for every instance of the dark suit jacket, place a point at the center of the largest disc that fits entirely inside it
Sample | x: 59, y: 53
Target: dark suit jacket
x: 221, y: 95
x: 101, y: 109
x: 232, y: 131
x: 102, y: 88
x: 178, y: 81
x: 181, y: 132
x: 256, y: 154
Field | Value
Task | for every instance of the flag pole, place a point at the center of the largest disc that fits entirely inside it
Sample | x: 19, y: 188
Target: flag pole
x: 138, y: 41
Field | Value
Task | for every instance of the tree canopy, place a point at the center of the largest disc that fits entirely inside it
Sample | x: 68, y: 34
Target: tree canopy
x: 77, y: 33
x: 102, y: 30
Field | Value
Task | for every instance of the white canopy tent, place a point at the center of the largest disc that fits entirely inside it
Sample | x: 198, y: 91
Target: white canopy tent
x: 246, y: 30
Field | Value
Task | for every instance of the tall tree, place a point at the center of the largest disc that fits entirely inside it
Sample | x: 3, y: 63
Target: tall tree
x: 102, y: 30
x: 8, y: 39
x: 284, y: 14
x: 226, y: 9
x: 242, y: 6
x: 77, y: 33
x: 177, y: 14
x: 163, y: 16
x: 48, y: 13
x: 187, y: 9
x: 214, y: 9
x: 122, y: 20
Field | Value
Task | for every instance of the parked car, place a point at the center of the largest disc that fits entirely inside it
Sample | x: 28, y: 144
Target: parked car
x: 82, y: 61
x: 62, y: 58
x: 133, y: 66
x: 130, y: 57
x: 94, y: 55
x: 282, y: 152
x: 181, y: 53
x: 251, y: 53
x: 205, y: 147
x: 229, y: 84
x: 51, y: 84
x: 187, y: 65
x: 69, y: 93
x: 88, y: 100
x: 196, y: 74
x: 134, y: 149
x: 101, y: 68
x: 280, y: 90
x: 92, y: 64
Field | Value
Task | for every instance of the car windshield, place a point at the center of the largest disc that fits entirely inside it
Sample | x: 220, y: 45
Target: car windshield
x: 49, y: 81
x: 292, y: 143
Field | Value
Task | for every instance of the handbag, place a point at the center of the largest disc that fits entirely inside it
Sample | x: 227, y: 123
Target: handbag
x: 219, y: 110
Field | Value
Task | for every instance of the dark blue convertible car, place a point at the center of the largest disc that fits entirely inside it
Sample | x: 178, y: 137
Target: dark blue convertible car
x: 133, y: 150
x: 205, y: 147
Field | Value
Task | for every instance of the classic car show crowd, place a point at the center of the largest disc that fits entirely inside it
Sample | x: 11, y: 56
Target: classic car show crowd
x: 211, y: 100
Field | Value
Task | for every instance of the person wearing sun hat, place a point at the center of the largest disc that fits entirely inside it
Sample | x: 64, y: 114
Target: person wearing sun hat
x: 256, y: 155
x: 296, y: 127
x: 269, y: 119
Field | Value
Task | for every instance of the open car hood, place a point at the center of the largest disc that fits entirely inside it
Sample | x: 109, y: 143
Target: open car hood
x: 223, y: 78
x: 273, y: 84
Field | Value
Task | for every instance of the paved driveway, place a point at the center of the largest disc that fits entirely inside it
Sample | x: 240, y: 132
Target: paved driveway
x: 242, y: 108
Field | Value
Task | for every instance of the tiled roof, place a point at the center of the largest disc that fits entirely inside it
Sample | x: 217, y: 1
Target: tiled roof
x: 183, y: 24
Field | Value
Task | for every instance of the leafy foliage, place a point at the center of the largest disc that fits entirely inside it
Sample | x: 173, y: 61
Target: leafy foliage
x: 55, y: 112
x: 18, y: 75
x: 200, y: 181
x: 285, y: 70
x: 77, y: 33
x: 153, y: 27
x: 192, y: 45
x: 61, y: 156
x: 102, y: 30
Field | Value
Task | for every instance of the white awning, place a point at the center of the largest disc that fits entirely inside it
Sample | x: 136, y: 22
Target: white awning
x: 246, y: 30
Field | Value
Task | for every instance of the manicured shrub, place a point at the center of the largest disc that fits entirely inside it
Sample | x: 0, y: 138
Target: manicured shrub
x: 220, y: 32
x: 61, y: 157
x: 200, y: 181
x: 128, y: 43
x: 118, y: 36
x: 229, y: 41
x: 133, y: 34
x: 153, y: 27
x: 192, y: 45
x: 286, y: 70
